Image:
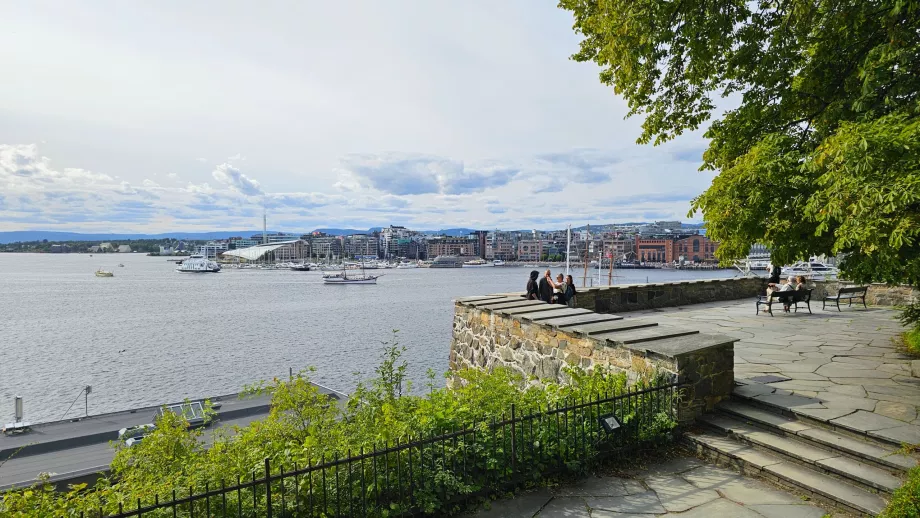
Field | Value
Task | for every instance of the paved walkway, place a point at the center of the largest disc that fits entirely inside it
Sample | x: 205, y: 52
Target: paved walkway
x: 838, y: 367
x: 681, y: 487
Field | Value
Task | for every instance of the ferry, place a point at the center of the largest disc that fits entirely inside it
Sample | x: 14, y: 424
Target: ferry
x: 447, y: 261
x: 198, y: 264
x: 476, y: 263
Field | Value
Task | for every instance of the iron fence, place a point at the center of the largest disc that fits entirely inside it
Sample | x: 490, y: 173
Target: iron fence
x: 431, y: 474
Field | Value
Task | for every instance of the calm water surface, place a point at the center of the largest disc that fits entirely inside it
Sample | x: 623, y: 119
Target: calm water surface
x: 150, y: 335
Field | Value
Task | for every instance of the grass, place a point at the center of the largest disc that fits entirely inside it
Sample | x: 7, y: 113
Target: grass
x: 912, y: 341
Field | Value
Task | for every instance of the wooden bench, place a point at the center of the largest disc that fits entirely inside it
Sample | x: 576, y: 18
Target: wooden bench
x: 792, y: 298
x: 847, y: 293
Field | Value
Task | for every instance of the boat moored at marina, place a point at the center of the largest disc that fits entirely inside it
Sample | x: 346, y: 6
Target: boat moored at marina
x: 477, y: 263
x: 447, y: 261
x: 198, y: 264
x: 812, y: 269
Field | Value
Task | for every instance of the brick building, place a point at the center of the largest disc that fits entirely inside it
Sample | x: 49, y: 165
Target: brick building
x: 698, y: 249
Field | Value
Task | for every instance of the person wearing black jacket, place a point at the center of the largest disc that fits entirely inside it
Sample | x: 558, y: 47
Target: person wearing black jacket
x: 775, y: 272
x: 546, y: 287
x: 533, y: 293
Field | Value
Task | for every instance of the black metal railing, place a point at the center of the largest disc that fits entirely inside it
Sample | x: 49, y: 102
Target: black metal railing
x: 428, y: 474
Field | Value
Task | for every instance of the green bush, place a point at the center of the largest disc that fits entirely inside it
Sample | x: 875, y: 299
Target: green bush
x: 905, y: 502
x: 302, y: 429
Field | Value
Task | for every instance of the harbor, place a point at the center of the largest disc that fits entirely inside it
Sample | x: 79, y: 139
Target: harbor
x: 151, y: 335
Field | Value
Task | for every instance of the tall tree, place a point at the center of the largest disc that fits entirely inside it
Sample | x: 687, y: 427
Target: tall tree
x: 820, y: 154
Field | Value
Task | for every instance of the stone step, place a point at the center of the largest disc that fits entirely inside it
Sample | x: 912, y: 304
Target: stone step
x: 635, y: 336
x: 773, y: 467
x: 589, y: 318
x: 561, y: 311
x: 525, y: 310
x: 816, y: 457
x: 857, y: 423
x: 864, y: 450
x: 609, y: 326
x: 674, y: 346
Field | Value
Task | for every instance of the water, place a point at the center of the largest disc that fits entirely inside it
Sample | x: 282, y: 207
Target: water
x: 151, y: 335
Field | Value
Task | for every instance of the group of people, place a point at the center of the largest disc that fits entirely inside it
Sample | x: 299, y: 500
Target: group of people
x: 561, y: 291
x: 791, y: 285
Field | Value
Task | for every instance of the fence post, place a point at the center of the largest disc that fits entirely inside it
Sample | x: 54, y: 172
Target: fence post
x: 268, y: 489
x: 513, y: 440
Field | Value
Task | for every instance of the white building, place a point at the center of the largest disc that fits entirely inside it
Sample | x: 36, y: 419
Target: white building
x: 212, y: 249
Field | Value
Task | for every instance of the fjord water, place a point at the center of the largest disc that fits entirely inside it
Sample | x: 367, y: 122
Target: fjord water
x: 150, y: 335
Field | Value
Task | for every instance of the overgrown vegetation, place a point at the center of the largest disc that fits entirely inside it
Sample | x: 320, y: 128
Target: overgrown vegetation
x: 304, y: 429
x: 910, y: 317
x: 905, y: 502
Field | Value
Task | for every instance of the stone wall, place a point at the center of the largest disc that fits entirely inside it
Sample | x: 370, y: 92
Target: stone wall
x: 877, y: 295
x: 539, y: 349
x: 633, y: 297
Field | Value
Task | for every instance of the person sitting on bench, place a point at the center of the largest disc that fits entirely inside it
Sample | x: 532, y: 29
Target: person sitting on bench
x: 789, y: 286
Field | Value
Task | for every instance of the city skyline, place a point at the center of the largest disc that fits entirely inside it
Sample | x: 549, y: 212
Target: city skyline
x: 466, y: 115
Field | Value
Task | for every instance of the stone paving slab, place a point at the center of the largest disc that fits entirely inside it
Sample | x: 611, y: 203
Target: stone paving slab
x: 678, y: 487
x: 839, y: 368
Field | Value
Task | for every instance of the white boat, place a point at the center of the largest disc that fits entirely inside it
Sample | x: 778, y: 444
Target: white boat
x: 477, y: 263
x: 406, y: 265
x: 103, y: 273
x: 198, y: 264
x: 121, y: 265
x: 812, y: 269
x: 303, y: 267
x: 498, y: 262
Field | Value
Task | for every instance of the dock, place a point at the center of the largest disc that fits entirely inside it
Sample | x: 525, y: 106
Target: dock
x: 79, y: 450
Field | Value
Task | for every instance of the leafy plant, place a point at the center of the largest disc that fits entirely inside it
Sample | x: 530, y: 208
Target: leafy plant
x: 411, y: 466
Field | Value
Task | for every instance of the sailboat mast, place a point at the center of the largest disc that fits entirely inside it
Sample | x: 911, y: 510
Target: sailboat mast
x: 568, y: 247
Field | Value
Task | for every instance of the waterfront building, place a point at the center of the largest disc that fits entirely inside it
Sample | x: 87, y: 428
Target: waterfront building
x: 327, y: 247
x: 274, y: 237
x: 106, y: 247
x: 244, y: 242
x: 212, y: 249
x: 166, y: 250
x: 59, y: 249
x: 389, y: 237
x: 279, y: 252
x: 655, y: 250
x: 530, y: 250
x: 361, y: 245
x: 124, y: 249
x: 459, y: 246
x: 480, y: 237
x: 501, y: 245
x: 698, y: 249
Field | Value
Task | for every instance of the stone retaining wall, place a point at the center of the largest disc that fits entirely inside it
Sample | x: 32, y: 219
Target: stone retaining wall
x: 539, y: 348
x: 634, y: 297
x: 877, y: 295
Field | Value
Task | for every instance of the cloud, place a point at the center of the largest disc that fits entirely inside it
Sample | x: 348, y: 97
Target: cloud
x: 236, y: 180
x: 236, y: 157
x: 202, y: 160
x: 408, y: 174
x: 546, y: 184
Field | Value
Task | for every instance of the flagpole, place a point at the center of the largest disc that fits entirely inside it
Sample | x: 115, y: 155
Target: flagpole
x: 568, y: 247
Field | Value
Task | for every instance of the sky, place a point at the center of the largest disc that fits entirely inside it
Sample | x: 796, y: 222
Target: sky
x: 196, y: 116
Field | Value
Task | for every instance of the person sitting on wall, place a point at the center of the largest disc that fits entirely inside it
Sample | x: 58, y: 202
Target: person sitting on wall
x: 570, y: 291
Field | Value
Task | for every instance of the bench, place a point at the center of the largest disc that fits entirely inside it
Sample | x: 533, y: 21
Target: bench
x: 792, y: 298
x: 848, y: 294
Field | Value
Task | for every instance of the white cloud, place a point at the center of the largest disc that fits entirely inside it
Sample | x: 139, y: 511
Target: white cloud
x: 236, y: 180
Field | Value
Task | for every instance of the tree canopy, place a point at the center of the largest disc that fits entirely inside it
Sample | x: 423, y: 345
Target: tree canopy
x: 819, y: 154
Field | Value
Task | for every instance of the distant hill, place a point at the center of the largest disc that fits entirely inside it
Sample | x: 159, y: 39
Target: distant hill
x: 39, y: 235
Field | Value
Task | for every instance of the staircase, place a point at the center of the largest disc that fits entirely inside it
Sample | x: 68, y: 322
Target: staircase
x: 846, y: 470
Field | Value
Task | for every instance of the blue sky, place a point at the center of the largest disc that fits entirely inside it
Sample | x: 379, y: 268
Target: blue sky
x: 122, y: 116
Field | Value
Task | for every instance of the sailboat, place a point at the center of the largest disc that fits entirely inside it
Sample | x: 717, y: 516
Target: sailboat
x: 344, y: 278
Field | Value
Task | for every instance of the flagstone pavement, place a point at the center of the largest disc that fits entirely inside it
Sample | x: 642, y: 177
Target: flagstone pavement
x: 681, y: 487
x: 843, y: 368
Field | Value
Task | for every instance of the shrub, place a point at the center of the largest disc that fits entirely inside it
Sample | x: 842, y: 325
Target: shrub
x: 302, y: 429
x: 905, y: 502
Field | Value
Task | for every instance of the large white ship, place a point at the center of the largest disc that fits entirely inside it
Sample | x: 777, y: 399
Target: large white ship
x: 198, y: 264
